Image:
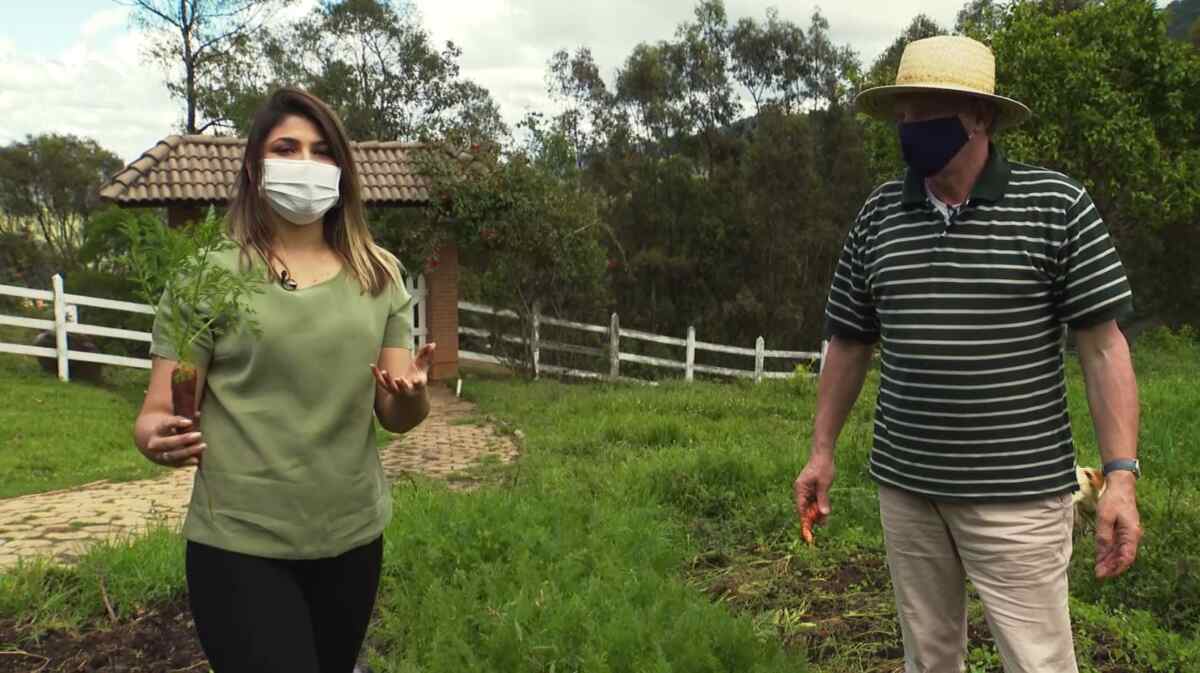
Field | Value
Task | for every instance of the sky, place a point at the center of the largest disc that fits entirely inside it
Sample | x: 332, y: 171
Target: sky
x: 76, y: 66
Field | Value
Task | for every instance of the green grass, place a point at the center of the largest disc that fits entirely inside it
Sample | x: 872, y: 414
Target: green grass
x: 57, y: 435
x: 650, y: 529
x: 135, y: 573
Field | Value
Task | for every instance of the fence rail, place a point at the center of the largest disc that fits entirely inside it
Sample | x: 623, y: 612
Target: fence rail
x: 613, y: 354
x: 66, y: 321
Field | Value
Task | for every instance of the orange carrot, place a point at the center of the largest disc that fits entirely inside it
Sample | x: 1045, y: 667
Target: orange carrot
x: 811, y: 515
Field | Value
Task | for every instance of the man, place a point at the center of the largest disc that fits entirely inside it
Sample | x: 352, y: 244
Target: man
x: 967, y: 273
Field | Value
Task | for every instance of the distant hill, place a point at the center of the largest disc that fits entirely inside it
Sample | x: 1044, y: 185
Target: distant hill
x: 1183, y: 13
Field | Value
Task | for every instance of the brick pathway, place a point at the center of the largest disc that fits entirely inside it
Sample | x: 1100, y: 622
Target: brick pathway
x: 61, y: 524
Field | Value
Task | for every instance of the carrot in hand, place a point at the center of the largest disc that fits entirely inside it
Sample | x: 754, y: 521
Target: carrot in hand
x: 811, y: 515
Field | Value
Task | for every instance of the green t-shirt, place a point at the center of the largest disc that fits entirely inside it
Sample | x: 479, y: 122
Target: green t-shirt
x: 291, y: 469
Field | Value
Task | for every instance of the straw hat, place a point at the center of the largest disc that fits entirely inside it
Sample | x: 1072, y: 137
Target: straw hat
x: 951, y: 64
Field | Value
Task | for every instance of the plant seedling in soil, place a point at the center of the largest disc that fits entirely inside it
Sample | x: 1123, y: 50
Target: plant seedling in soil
x: 204, y: 297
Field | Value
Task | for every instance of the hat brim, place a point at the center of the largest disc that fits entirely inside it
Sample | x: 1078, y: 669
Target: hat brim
x: 879, y: 102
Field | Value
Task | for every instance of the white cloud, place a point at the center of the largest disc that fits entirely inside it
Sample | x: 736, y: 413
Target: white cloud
x: 97, y: 87
x: 104, y: 21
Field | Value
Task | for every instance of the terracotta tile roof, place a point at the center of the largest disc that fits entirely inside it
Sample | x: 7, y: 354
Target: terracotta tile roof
x: 202, y: 169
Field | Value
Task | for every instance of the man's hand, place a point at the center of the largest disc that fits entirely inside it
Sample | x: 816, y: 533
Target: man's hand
x: 812, y: 486
x: 1118, y: 526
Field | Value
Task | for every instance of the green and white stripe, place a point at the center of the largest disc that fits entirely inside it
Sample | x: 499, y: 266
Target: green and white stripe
x: 971, y: 313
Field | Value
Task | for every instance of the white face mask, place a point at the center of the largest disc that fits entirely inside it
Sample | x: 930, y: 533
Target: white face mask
x: 301, y: 191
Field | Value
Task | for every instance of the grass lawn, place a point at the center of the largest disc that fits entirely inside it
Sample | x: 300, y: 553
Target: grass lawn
x: 56, y: 435
x: 651, y: 529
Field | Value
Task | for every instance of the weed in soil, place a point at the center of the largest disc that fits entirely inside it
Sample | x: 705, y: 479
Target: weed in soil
x: 157, y: 640
x: 828, y: 611
x: 840, y: 612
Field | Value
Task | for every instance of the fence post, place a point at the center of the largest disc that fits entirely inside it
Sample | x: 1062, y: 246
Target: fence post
x: 614, y: 347
x: 824, y: 348
x: 689, y: 370
x: 535, y: 342
x: 60, y: 328
x: 759, y: 346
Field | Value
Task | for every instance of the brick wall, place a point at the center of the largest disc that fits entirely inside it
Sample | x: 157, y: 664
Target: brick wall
x: 442, y: 312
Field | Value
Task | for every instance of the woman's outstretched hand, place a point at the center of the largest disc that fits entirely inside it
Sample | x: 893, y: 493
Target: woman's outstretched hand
x: 411, y: 382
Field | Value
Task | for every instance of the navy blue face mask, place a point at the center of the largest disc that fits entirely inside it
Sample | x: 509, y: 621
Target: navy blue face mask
x: 929, y: 145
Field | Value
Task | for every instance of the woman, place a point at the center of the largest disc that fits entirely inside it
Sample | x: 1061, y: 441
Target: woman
x: 284, y: 533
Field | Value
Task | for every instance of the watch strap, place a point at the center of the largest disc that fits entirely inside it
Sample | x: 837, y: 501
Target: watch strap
x: 1130, y: 464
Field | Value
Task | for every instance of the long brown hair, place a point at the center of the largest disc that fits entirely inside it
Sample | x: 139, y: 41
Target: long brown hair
x: 344, y: 226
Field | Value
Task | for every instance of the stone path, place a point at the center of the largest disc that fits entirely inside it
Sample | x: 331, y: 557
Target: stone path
x: 61, y: 524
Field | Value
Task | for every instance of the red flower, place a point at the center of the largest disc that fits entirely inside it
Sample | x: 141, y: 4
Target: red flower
x: 432, y: 263
x: 487, y: 234
x: 475, y: 148
x: 612, y: 264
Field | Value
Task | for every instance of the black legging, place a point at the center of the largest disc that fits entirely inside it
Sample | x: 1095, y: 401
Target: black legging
x: 261, y: 615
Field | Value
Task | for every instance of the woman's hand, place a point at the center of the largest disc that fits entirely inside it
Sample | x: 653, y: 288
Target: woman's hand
x: 173, y: 443
x: 411, y: 382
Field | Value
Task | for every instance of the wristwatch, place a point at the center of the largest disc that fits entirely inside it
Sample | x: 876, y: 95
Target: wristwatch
x: 1133, y: 465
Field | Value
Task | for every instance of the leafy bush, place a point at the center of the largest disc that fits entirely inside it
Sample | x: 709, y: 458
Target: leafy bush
x: 106, y: 236
x: 531, y: 233
x: 205, y: 296
x: 24, y: 260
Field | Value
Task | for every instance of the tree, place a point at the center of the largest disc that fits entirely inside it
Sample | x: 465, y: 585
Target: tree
x: 1182, y: 17
x: 700, y: 61
x: 717, y: 217
x: 1119, y: 114
x: 50, y: 184
x: 379, y: 68
x: 831, y: 67
x: 374, y: 63
x: 780, y: 65
x: 205, y: 39
x: 767, y: 60
x: 979, y: 19
x: 575, y: 83
x: 529, y: 233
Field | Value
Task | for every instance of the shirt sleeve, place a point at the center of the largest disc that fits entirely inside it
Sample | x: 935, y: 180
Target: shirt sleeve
x: 161, y: 343
x: 850, y: 309
x: 1091, y: 287
x: 399, y: 329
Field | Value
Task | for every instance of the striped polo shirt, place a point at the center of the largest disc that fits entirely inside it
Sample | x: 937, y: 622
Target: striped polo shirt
x: 971, y: 310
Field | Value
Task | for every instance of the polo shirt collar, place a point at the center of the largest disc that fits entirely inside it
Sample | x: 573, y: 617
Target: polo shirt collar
x: 990, y: 186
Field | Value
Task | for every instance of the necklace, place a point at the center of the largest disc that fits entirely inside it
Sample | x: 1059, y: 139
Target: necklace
x: 286, y: 281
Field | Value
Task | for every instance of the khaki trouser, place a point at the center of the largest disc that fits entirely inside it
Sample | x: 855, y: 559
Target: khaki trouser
x: 1016, y: 555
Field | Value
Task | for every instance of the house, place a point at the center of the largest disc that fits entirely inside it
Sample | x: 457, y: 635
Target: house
x: 187, y: 174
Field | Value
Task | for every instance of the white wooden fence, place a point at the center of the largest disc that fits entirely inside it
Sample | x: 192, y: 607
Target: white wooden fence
x: 66, y: 321
x: 613, y: 355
